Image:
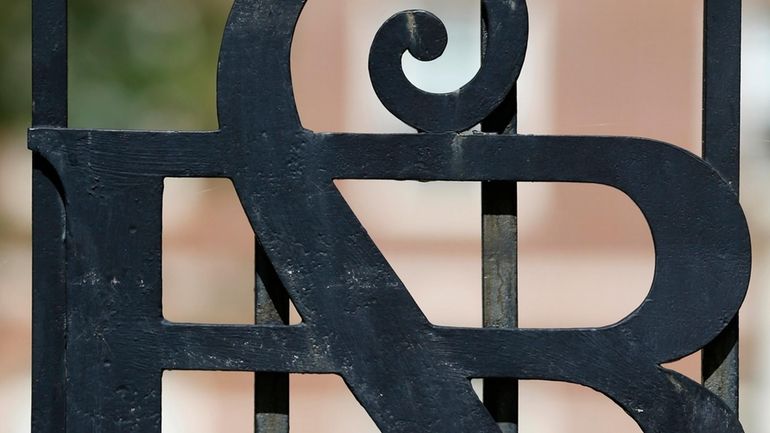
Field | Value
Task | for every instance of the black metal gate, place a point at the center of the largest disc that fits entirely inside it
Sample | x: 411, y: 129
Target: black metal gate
x: 100, y: 342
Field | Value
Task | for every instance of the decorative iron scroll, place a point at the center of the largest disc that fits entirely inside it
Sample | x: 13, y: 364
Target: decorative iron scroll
x: 101, y: 342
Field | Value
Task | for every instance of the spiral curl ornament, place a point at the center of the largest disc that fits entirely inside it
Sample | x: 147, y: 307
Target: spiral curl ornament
x: 506, y: 27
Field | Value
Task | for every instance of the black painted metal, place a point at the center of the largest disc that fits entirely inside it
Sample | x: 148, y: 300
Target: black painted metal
x: 499, y: 240
x: 271, y: 390
x: 101, y: 342
x: 49, y: 98
x: 499, y: 265
x: 721, y: 149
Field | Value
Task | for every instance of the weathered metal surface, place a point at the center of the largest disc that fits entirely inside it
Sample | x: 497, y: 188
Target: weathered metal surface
x: 271, y: 390
x: 110, y: 343
x: 499, y: 245
x: 500, y: 298
x: 721, y: 149
x: 49, y: 95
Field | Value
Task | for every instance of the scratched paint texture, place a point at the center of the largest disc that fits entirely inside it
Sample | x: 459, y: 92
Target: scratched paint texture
x: 105, y: 189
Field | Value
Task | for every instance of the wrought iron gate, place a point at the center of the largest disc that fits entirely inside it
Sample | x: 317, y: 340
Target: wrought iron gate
x: 100, y: 342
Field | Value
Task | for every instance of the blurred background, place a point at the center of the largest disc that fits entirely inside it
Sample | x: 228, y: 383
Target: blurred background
x: 599, y: 67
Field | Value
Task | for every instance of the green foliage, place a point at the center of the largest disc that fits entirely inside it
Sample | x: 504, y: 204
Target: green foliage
x: 15, y: 67
x: 144, y: 63
x: 133, y: 63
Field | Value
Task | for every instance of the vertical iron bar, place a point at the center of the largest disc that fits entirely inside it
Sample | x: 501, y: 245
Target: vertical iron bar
x: 49, y: 63
x: 499, y: 268
x: 49, y: 108
x: 499, y: 262
x: 271, y: 390
x: 721, y: 148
